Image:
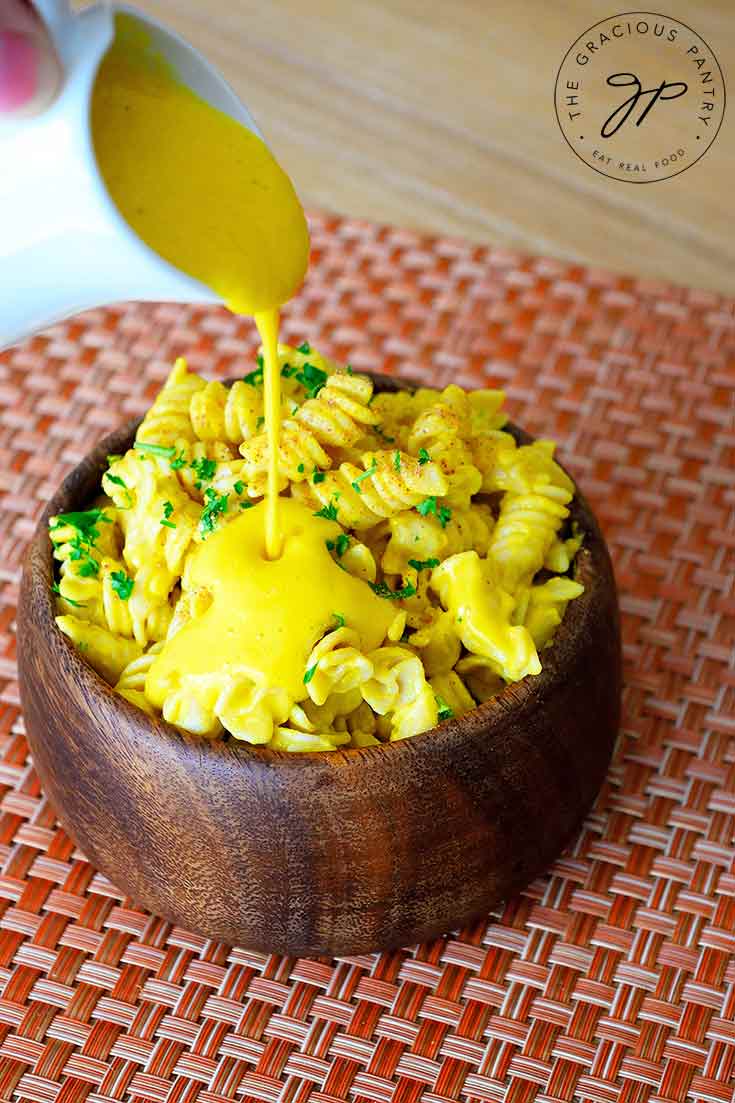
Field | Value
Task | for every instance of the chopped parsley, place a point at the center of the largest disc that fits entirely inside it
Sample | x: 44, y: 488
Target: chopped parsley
x: 310, y: 674
x: 214, y: 506
x: 301, y: 469
x: 238, y: 487
x: 167, y: 511
x: 441, y: 512
x: 260, y: 422
x: 365, y: 475
x: 204, y: 470
x: 339, y: 620
x: 318, y: 476
x: 155, y: 449
x: 287, y: 371
x: 179, y: 461
x: 397, y: 461
x: 445, y: 712
x: 304, y: 348
x: 423, y: 564
x: 80, y: 553
x: 116, y: 480
x: 340, y: 545
x: 424, y: 456
x: 312, y: 378
x: 68, y: 600
x: 349, y: 370
x: 254, y: 377
x: 329, y: 513
x: 246, y: 505
x: 84, y: 521
x: 121, y: 584
x: 382, y: 589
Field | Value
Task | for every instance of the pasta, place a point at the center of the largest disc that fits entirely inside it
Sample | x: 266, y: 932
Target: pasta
x: 460, y: 537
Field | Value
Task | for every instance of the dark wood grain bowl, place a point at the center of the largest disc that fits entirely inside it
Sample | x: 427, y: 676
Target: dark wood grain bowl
x: 322, y: 853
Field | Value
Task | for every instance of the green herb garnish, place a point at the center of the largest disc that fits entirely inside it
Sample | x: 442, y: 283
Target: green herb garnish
x: 167, y: 511
x: 287, y: 371
x: 155, y: 449
x: 179, y: 461
x: 84, y: 521
x: 445, y: 712
x: 246, y: 505
x: 423, y: 564
x: 329, y: 513
x: 301, y: 469
x: 365, y: 475
x: 238, y: 487
x: 204, y: 470
x: 429, y: 505
x: 340, y: 545
x: 260, y: 422
x: 424, y: 456
x: 214, y: 506
x: 121, y: 584
x: 312, y: 378
x: 339, y: 619
x: 254, y: 377
x: 378, y: 430
x: 304, y: 348
x: 397, y: 461
x: 382, y: 589
x: 115, y: 479
x: 310, y: 674
x: 80, y: 553
x: 318, y: 476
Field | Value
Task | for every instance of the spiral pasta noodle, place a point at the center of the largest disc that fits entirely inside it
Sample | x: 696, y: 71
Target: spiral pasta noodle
x: 431, y: 504
x: 337, y: 417
x: 231, y: 414
x: 524, y: 532
x: 361, y: 498
x: 168, y: 418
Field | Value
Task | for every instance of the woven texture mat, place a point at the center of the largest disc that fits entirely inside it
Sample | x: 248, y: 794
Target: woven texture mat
x: 610, y: 979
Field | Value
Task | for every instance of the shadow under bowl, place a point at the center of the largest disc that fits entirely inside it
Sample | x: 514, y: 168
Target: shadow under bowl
x: 325, y: 853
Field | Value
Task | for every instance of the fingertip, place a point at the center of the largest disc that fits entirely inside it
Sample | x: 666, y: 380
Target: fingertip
x: 30, y: 70
x: 19, y: 70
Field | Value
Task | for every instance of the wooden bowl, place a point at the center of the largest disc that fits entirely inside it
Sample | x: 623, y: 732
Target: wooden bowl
x: 324, y: 853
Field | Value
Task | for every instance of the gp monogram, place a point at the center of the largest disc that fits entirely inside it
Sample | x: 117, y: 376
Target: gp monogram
x: 639, y: 97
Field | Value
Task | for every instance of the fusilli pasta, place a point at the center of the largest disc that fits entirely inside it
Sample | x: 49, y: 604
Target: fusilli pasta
x: 431, y: 504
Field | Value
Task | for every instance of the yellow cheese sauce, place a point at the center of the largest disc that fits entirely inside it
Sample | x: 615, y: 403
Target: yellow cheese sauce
x: 267, y: 614
x: 198, y: 187
x: 207, y: 195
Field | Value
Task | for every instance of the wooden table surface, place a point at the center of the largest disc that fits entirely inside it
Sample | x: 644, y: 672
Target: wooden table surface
x: 440, y: 116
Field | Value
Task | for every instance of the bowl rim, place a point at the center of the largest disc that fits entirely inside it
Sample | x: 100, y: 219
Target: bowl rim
x: 591, y: 567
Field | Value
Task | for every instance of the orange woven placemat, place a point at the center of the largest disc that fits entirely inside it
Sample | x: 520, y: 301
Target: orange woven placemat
x: 610, y: 979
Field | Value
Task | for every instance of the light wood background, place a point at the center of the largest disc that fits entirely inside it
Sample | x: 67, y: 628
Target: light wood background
x: 440, y: 116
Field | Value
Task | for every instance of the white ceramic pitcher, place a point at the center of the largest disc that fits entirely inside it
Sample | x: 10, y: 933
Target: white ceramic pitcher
x: 64, y: 246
